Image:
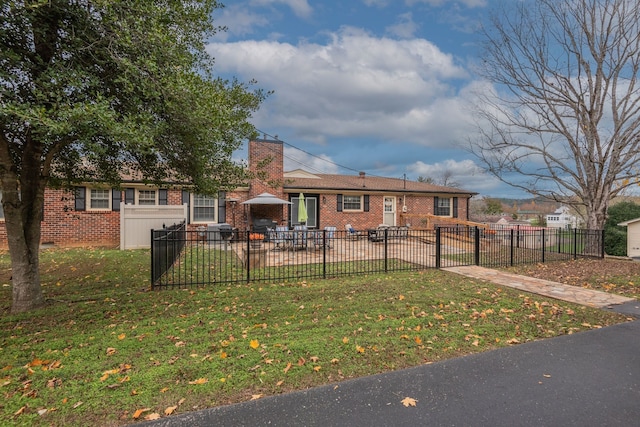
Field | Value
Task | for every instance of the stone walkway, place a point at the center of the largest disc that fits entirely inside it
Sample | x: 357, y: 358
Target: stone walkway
x: 574, y: 294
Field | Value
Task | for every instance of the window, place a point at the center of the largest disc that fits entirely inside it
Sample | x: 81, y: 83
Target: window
x: 99, y: 199
x: 204, y: 208
x: 443, y: 206
x: 146, y: 197
x: 352, y: 203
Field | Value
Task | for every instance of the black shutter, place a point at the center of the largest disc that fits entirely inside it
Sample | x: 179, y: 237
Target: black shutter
x: 186, y: 199
x: 222, y: 207
x: 455, y: 207
x: 116, y: 198
x: 163, y: 196
x: 366, y: 203
x: 435, y: 206
x: 339, y: 203
x: 129, y: 196
x: 81, y: 199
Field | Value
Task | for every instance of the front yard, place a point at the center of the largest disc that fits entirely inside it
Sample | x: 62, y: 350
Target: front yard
x: 108, y: 351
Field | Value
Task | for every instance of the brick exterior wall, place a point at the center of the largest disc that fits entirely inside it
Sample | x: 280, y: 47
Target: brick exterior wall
x: 63, y: 226
x: 266, y: 162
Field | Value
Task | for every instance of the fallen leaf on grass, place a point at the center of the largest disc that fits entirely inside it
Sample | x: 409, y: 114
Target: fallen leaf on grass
x: 409, y: 401
x: 122, y: 336
x: 359, y: 349
x: 151, y: 417
x: 111, y: 351
x: 199, y: 381
x: 139, y: 412
x: 256, y: 396
x: 254, y: 344
x: 170, y: 410
x: 287, y: 368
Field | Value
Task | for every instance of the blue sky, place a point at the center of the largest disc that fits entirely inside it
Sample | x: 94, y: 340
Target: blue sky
x: 381, y: 86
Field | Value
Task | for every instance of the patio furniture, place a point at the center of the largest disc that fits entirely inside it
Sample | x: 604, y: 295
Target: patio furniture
x: 300, y: 237
x: 323, y: 238
x: 352, y: 233
x: 280, y: 237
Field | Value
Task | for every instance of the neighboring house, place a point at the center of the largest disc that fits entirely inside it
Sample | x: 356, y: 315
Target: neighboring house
x: 562, y: 218
x: 91, y: 214
x: 633, y: 237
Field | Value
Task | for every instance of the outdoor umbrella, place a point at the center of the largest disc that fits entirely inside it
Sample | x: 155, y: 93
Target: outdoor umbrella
x: 302, y: 209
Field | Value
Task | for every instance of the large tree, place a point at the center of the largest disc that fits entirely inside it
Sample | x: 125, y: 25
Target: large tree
x: 92, y: 88
x: 563, y: 118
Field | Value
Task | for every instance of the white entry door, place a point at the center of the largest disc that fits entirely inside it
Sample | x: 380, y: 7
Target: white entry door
x: 389, y: 215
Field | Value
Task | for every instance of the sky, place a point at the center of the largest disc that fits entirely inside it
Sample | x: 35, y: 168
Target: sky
x: 380, y: 86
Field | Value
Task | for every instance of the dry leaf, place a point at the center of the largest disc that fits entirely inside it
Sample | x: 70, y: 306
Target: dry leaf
x: 164, y: 390
x: 359, y: 349
x: 122, y: 336
x: 199, y: 381
x: 317, y: 368
x: 256, y: 396
x: 111, y: 351
x: 77, y: 404
x: 170, y: 410
x: 409, y: 401
x: 139, y: 412
x: 254, y: 344
x: 287, y: 368
x: 151, y: 417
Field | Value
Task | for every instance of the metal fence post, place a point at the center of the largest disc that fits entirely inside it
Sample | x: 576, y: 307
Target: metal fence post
x: 386, y: 250
x: 476, y: 245
x: 512, y: 249
x: 602, y: 244
x: 575, y: 243
x: 438, y: 251
x: 152, y: 262
x: 544, y: 244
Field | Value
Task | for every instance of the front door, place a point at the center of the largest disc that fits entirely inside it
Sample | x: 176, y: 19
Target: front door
x: 389, y: 215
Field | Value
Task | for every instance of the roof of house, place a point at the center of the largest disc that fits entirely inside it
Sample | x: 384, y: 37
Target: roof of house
x: 300, y: 180
x: 629, y: 222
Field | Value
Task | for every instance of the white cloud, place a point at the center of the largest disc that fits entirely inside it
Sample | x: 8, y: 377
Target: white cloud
x: 300, y: 7
x: 405, y: 28
x: 354, y: 85
x: 464, y: 172
x: 437, y: 3
x: 296, y: 159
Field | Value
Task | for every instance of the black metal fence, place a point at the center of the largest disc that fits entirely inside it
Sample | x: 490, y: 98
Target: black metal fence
x: 167, y: 246
x: 182, y: 258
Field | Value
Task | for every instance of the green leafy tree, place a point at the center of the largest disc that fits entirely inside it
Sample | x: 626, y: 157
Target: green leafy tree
x: 90, y: 89
x: 492, y: 206
x: 615, y: 236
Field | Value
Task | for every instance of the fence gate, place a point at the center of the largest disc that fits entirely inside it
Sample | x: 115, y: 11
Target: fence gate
x: 136, y: 223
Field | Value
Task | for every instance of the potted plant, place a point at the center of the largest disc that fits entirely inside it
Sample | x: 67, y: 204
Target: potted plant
x: 255, y: 239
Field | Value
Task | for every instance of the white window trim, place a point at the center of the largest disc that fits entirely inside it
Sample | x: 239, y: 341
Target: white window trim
x: 360, y: 196
x: 450, y: 214
x: 156, y: 193
x: 88, y: 200
x: 192, y: 199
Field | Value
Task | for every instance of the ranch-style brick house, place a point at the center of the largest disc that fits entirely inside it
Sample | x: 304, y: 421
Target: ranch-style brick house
x: 93, y: 215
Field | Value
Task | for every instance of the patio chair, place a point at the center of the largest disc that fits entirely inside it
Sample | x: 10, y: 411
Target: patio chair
x: 300, y: 236
x: 352, y: 234
x: 329, y: 234
x: 325, y: 237
x: 279, y: 237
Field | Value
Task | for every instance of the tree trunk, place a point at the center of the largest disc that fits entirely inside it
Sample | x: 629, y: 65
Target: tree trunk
x: 22, y: 224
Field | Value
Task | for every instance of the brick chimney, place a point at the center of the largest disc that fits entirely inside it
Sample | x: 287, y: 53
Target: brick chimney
x: 266, y: 161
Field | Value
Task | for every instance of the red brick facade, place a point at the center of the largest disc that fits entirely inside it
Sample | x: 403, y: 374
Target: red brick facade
x: 64, y: 225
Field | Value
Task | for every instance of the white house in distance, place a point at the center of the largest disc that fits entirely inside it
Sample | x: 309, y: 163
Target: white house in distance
x: 633, y: 237
x: 561, y: 218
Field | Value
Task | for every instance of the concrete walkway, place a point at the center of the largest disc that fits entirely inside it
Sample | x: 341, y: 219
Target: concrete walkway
x: 560, y: 291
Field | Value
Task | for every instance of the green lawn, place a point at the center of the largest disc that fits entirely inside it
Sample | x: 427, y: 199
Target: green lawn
x: 108, y: 351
